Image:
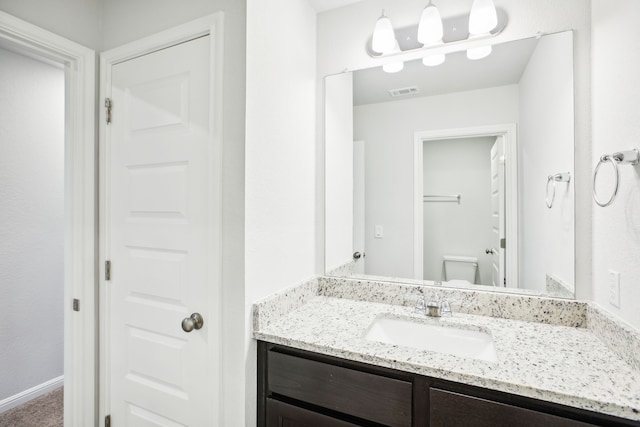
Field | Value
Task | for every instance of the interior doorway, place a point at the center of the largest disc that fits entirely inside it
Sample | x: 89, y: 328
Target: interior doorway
x: 66, y: 227
x: 31, y: 226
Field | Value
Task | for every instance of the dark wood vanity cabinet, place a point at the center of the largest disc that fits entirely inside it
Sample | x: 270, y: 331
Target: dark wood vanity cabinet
x: 303, y: 389
x: 285, y: 415
x: 333, y: 389
x: 454, y: 409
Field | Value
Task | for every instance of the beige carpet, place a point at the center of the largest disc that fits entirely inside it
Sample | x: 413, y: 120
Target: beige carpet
x: 44, y: 411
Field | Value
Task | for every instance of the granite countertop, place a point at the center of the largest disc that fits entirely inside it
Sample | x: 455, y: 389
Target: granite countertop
x: 563, y: 364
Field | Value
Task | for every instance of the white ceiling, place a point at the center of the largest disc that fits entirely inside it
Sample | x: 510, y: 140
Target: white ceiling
x: 324, y: 5
x: 504, y: 66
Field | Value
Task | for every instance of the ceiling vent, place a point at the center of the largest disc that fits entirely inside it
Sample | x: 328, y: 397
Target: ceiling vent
x: 403, y: 91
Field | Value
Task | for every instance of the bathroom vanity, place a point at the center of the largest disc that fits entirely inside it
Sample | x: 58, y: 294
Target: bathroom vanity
x: 317, y: 367
x: 304, y: 388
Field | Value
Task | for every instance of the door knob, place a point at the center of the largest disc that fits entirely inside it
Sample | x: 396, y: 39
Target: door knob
x: 489, y: 251
x: 194, y: 322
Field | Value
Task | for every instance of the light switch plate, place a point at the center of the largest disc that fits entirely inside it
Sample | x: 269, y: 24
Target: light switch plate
x: 377, y: 233
x: 614, y: 288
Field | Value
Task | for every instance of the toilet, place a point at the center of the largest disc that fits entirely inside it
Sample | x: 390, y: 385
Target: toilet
x: 460, y: 270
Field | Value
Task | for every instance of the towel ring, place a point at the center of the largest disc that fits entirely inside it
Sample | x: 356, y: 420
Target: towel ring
x: 559, y: 177
x: 553, y: 195
x: 604, y: 159
x: 631, y: 157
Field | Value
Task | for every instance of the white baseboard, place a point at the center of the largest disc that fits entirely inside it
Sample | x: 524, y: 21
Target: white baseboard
x: 27, y: 395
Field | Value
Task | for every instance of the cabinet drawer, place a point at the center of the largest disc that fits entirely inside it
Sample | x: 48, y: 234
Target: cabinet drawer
x: 280, y: 414
x: 360, y: 394
x: 454, y: 409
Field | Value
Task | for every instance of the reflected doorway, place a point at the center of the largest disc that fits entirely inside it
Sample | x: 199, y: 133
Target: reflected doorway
x: 479, y: 242
x: 463, y: 211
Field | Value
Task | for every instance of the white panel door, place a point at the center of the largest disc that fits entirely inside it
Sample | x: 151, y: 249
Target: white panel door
x: 497, y: 213
x: 160, y: 217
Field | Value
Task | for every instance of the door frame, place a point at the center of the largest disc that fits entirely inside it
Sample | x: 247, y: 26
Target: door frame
x: 359, y: 204
x: 209, y: 25
x: 79, y: 203
x: 509, y: 132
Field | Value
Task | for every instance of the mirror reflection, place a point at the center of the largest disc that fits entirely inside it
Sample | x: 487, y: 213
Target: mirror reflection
x: 460, y: 174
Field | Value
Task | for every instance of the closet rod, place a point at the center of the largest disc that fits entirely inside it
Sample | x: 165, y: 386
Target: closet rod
x: 431, y: 198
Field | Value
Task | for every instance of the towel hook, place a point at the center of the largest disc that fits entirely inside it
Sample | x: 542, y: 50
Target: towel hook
x: 629, y: 157
x: 559, y: 177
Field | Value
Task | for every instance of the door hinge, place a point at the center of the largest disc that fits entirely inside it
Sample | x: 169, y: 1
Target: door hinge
x: 107, y: 270
x: 504, y: 281
x: 76, y: 304
x: 503, y: 243
x: 107, y: 421
x: 108, y: 104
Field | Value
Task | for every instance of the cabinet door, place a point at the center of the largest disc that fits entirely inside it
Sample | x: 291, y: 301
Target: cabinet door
x: 449, y: 409
x: 281, y: 414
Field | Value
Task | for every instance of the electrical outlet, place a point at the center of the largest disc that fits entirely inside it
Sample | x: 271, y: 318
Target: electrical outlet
x: 614, y: 288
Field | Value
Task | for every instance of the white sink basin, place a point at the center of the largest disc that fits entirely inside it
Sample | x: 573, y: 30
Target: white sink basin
x: 440, y: 338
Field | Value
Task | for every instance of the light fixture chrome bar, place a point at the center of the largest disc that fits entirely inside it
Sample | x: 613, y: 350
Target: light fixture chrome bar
x: 442, y: 198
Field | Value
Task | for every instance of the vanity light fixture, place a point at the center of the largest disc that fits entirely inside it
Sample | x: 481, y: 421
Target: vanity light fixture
x: 430, y: 32
x: 482, y: 19
x: 395, y: 66
x: 384, y: 38
x: 433, y: 60
x: 479, y: 52
x: 437, y: 37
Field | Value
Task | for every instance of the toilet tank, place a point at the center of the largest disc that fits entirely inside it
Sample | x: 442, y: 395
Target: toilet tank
x: 459, y: 268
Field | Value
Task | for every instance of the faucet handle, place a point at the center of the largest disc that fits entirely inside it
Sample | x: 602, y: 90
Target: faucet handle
x: 445, y: 307
x: 421, y: 306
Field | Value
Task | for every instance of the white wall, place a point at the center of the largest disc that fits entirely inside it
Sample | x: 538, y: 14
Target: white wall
x: 457, y: 166
x: 77, y: 20
x: 342, y: 34
x: 31, y: 223
x: 388, y: 131
x: 616, y: 126
x: 280, y: 157
x: 546, y: 96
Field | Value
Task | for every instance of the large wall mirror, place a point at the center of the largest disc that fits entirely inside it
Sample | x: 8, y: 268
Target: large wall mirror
x: 460, y: 174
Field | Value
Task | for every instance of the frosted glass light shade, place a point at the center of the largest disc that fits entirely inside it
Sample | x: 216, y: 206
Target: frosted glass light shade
x: 430, y: 29
x: 434, y: 60
x: 393, y: 67
x: 483, y: 17
x: 479, y: 52
x: 384, y: 39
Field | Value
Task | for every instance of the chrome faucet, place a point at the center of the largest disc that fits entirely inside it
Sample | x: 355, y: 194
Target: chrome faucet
x: 438, y: 308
